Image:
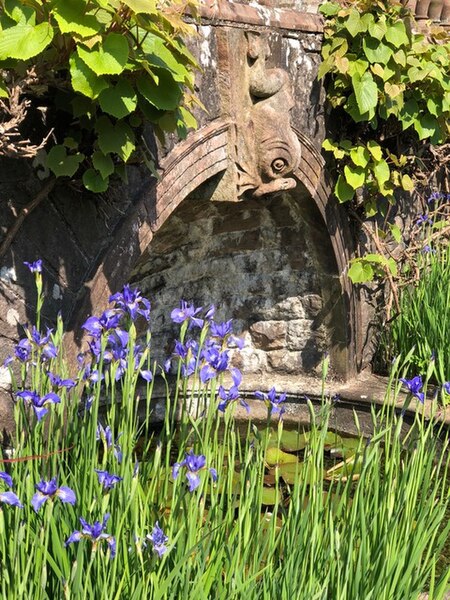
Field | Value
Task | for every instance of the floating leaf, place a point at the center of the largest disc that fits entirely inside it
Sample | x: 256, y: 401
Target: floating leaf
x: 24, y: 41
x: 351, y: 467
x: 345, y: 447
x: 63, y: 164
x: 109, y: 58
x: 292, y: 441
x: 275, y: 456
x: 269, y: 495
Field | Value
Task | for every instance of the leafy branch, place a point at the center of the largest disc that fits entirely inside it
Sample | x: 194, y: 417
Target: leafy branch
x: 97, y: 69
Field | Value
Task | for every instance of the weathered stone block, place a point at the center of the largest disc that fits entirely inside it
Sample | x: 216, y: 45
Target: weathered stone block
x: 313, y: 304
x: 298, y: 334
x: 268, y: 335
x: 284, y: 362
x: 287, y: 309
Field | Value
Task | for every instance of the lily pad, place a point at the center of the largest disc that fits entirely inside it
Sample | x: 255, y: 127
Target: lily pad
x: 269, y: 495
x: 293, y: 441
x: 275, y: 456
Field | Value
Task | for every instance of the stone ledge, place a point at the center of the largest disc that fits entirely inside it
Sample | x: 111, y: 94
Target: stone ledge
x: 261, y: 16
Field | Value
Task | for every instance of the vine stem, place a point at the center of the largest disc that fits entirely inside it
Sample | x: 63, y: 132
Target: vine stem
x: 26, y: 210
x: 389, y: 277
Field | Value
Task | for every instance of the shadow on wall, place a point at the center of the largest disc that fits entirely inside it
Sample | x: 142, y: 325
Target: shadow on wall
x: 69, y: 230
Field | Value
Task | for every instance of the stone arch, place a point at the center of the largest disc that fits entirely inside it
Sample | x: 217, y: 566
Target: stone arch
x: 203, y: 155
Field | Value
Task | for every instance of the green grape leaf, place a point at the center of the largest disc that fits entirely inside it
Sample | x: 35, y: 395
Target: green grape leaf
x: 109, y: 57
x: 395, y: 232
x: 19, y: 13
x: 353, y: 23
x: 382, y: 172
x: 342, y: 190
x: 119, y: 100
x: 84, y: 80
x: 94, y: 182
x: 71, y: 18
x: 366, y: 92
x: 360, y: 271
x: 375, y: 150
x: 329, y: 9
x: 360, y: 156
x: 355, y: 176
x: 407, y: 183
x: 118, y: 138
x: 376, y: 51
x: 377, y: 29
x: 165, y: 95
x: 426, y: 126
x: 396, y: 34
x: 103, y: 163
x: 24, y: 41
x: 147, y: 7
x: 63, y: 164
x: 158, y: 55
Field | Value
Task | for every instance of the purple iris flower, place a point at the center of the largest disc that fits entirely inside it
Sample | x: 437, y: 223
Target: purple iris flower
x: 271, y: 400
x: 35, y: 267
x: 105, y: 435
x: 446, y: 386
x: 39, y: 403
x: 185, y: 312
x: 49, y: 350
x: 193, y: 463
x: 11, y: 499
x: 221, y: 330
x: 414, y: 386
x: 210, y: 312
x: 107, y: 480
x: 6, y: 478
x: 188, y: 369
x: 95, y: 533
x: 60, y: 383
x: 48, y: 490
x: 233, y: 393
x: 424, y: 220
x: 96, y: 325
x: 147, y: 375
x: 158, y: 539
x: 216, y: 362
x: 23, y: 350
x: 132, y: 302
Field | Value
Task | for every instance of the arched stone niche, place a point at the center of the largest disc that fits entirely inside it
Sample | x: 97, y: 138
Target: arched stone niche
x: 274, y: 263
x: 267, y: 263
